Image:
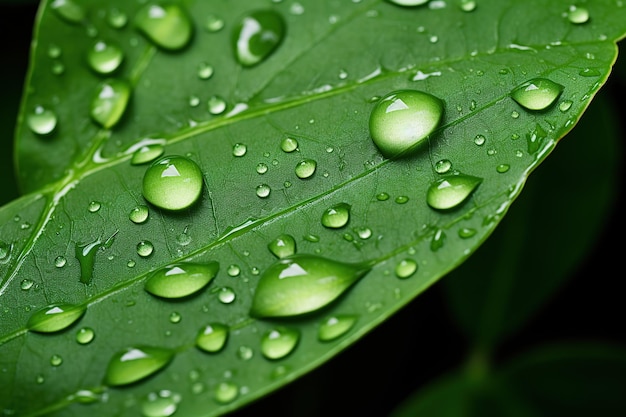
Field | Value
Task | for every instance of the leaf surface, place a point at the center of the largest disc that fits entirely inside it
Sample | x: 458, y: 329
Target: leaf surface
x: 71, y: 240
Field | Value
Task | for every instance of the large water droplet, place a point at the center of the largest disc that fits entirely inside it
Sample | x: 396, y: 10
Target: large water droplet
x: 85, y: 335
x: 289, y: 144
x: 283, y: 246
x: 172, y: 183
x: 336, y: 216
x: 404, y: 119
x: 55, y: 317
x: 181, y: 279
x: 305, y: 168
x: 145, y: 248
x: 257, y: 36
x: 301, y: 284
x: 335, y: 326
x: 405, y: 268
x: 135, y: 363
x: 86, y: 255
x: 139, y: 214
x: 109, y: 102
x: 147, y: 153
x: 212, y: 337
x: 263, y: 190
x: 279, y: 342
x: 449, y: 192
x: 160, y: 404
x: 105, y: 57
x: 578, y: 15
x: 537, y: 94
x: 68, y: 10
x: 42, y: 121
x: 168, y: 26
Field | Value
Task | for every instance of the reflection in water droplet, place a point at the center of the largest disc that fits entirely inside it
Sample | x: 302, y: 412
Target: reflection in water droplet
x: 565, y: 105
x: 168, y: 26
x: 226, y: 392
x: 135, y: 363
x: 173, y: 183
x: 537, y: 94
x: 337, y: 216
x: 181, y: 279
x: 109, y: 102
x: 502, y: 168
x: 85, y: 335
x: 55, y: 317
x: 261, y: 168
x: 42, y: 121
x: 479, y: 140
x: 405, y: 268
x: 283, y: 246
x: 279, y: 342
x: 257, y: 36
x: 305, y: 168
x: 212, y: 337
x: 145, y: 248
x: 335, y: 326
x: 382, y: 197
x: 147, y: 153
x: 68, y: 10
x: 163, y: 403
x: 449, y: 192
x: 404, y: 119
x: 402, y: 199
x: 104, y: 57
x: 468, y: 5
x: 233, y: 270
x: 139, y: 214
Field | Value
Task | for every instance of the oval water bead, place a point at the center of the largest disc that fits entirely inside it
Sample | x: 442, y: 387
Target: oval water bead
x: 335, y: 326
x: 42, y: 121
x: 139, y: 214
x: 85, y: 335
x: 283, y: 246
x: 337, y: 216
x: 404, y: 119
x: 136, y: 363
x: 279, y: 342
x: 302, y: 283
x: 163, y: 403
x: 173, y: 183
x: 55, y: 317
x: 578, y: 15
x: 105, y: 57
x: 167, y: 26
x: 537, y: 94
x: 147, y: 153
x: 405, y: 268
x: 450, y: 191
x: 306, y: 168
x: 181, y: 279
x: 145, y: 248
x: 109, y: 102
x: 226, y: 392
x: 408, y: 3
x: 212, y: 337
x: 257, y: 36
x: 289, y: 145
x: 68, y: 10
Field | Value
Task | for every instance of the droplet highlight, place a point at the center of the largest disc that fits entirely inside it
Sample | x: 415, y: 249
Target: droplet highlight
x: 136, y: 363
x: 257, y: 36
x: 55, y: 317
x: 42, y: 121
x: 537, y: 94
x: 167, y: 26
x: 335, y: 326
x: 173, y: 183
x: 449, y: 192
x: 337, y: 216
x: 212, y: 337
x: 283, y: 246
x: 109, y: 102
x: 105, y: 57
x: 279, y: 342
x: 181, y: 279
x: 306, y: 168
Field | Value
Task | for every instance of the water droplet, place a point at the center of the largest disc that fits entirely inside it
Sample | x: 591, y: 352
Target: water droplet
x: 438, y: 240
x: 109, y: 102
x: 212, y: 337
x: 168, y: 26
x: 194, y: 101
x: 245, y: 353
x: 589, y: 72
x: 172, y: 183
x: 404, y: 119
x: 337, y: 216
x: 54, y: 51
x: 116, y: 18
x: 302, y: 283
x: 405, y: 268
x: 145, y: 248
x: 537, y: 94
x: 104, y: 57
x: 535, y: 138
x: 408, y: 3
x: 94, y: 206
x: 257, y: 35
x: 135, y: 363
x: 239, y: 149
x: 479, y: 140
x: 468, y: 5
x: 68, y: 11
x: 401, y: 199
x: 216, y: 105
x: 60, y: 261
x: 27, y: 284
x: 335, y: 326
x: 233, y: 270
x: 147, y: 153
x: 305, y: 168
x: 86, y: 255
x: 226, y: 392
x: 213, y: 23
x: 382, y: 196
x: 261, y: 168
x: 55, y: 317
x: 577, y: 15
x: 289, y: 145
x: 226, y: 295
x: 175, y: 317
x: 263, y: 190
x: 443, y: 166
x: 449, y: 192
x: 85, y: 335
x: 283, y: 246
x: 56, y: 360
x: 139, y: 214
x: 160, y: 404
x: 565, y: 105
x: 42, y: 121
x: 205, y: 71
x: 515, y: 114
x: 364, y: 232
x: 181, y: 279
x: 279, y: 342
x: 502, y: 168
x: 466, y: 233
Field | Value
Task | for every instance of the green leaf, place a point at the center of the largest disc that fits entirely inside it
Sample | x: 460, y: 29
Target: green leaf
x: 511, y: 276
x: 73, y: 240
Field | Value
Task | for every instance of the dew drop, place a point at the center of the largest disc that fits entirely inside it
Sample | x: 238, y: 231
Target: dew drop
x: 226, y: 295
x: 535, y: 138
x: 263, y: 191
x: 213, y: 23
x: 226, y: 392
x: 245, y: 353
x: 216, y: 105
x: 257, y: 36
x: 85, y: 335
x: 104, y: 57
x: 233, y: 270
x: 537, y: 94
x: 408, y: 3
x: 577, y: 15
x: 279, y: 342
x: 565, y: 105
x: 135, y: 363
x: 42, y: 121
x: 239, y: 149
x: 401, y: 199
x: 194, y: 101
x: 86, y: 255
x: 145, y: 248
x: 438, y: 240
x: 109, y: 102
x: 443, y: 166
x: 55, y: 317
x: 205, y: 71
x: 116, y: 18
x: 163, y: 403
x: 404, y: 119
x: 289, y: 145
x: 173, y: 183
x: 337, y: 216
x: 5, y: 250
x: 54, y: 51
x: 168, y: 26
x: 175, y: 317
x: 60, y: 261
x: 502, y: 168
x: 261, y: 168
x: 181, y: 279
x: 147, y: 153
x: 283, y: 246
x: 468, y: 5
x: 306, y: 168
x: 27, y: 284
x: 139, y: 214
x: 449, y: 192
x: 466, y: 232
x: 335, y: 326
x: 68, y: 11
x: 479, y: 140
x: 382, y: 196
x: 302, y: 283
x: 56, y: 360
x: 514, y: 114
x: 405, y: 268
x: 94, y: 206
x: 589, y: 72
x: 364, y: 232
x: 212, y: 337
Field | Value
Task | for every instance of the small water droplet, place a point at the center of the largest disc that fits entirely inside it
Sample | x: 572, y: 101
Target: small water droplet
x: 131, y: 263
x: 42, y: 121
x: 5, y: 250
x: 54, y: 51
x: 479, y: 140
x: 565, y: 105
x: 86, y: 255
x: 94, y: 206
x: 335, y: 326
x: 145, y: 248
x: 226, y: 295
x: 402, y: 199
x: 60, y: 261
x: 443, y: 166
x: 279, y: 342
x: 116, y: 18
x: 68, y: 10
x: 163, y: 403
x: 364, y: 232
x: 168, y: 26
x: 56, y: 360
x: 537, y: 94
x: 261, y: 168
x: 147, y: 153
x: 245, y: 353
x: 109, y: 102
x: 55, y: 317
x: 306, y: 168
x: 181, y: 279
x: 173, y: 183
x: 216, y: 105
x: 233, y: 270
x: 239, y: 149
x: 577, y: 15
x: 438, y: 240
x: 514, y: 114
x: 337, y: 216
x: 382, y: 196
x: 135, y: 363
x: 105, y: 57
x: 226, y: 392
x: 212, y: 337
x: 27, y: 284
x: 257, y: 36
x: 283, y: 246
x: 589, y: 72
x: 468, y: 5
x: 466, y: 232
x: 289, y: 145
x: 502, y: 168
x: 263, y: 191
x: 535, y: 138
x: 408, y: 3
x: 205, y: 70
x: 85, y: 335
x: 175, y: 317
x: 302, y: 283
x: 213, y: 23
x: 449, y: 192
x: 405, y: 268
x: 404, y: 119
x: 139, y: 214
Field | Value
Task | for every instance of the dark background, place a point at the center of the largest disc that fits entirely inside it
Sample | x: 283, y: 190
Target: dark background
x: 420, y: 342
